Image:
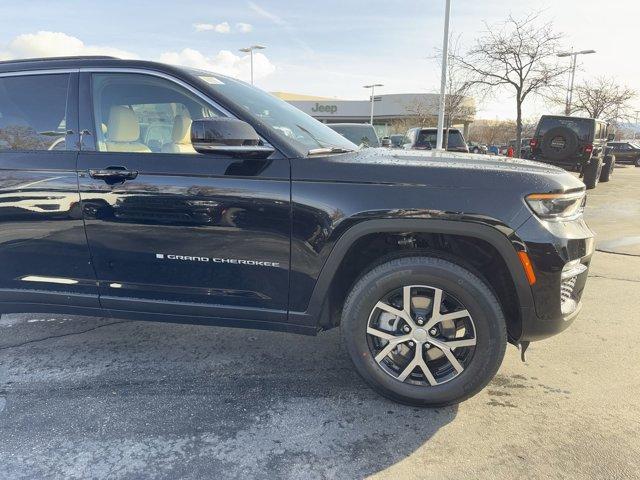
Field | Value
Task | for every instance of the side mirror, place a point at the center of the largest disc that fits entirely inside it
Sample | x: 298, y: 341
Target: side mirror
x: 611, y: 137
x: 227, y: 136
x: 385, y: 142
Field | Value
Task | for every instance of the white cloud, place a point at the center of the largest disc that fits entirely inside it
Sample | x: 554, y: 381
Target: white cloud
x: 203, y: 27
x: 55, y: 44
x: 223, y: 27
x: 224, y: 62
x: 244, y: 27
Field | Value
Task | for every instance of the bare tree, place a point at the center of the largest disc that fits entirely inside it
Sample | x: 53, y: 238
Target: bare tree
x: 603, y: 98
x: 492, y: 132
x: 519, y: 54
x: 421, y: 113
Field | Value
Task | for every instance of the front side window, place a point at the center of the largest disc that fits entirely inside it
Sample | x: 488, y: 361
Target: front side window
x: 33, y: 112
x: 145, y: 114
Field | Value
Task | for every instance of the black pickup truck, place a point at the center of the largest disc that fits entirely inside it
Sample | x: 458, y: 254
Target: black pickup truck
x: 145, y: 191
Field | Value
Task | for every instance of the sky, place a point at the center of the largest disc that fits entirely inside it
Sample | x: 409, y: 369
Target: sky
x: 325, y: 47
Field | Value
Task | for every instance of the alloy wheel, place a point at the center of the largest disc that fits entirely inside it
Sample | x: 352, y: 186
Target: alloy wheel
x: 421, y: 335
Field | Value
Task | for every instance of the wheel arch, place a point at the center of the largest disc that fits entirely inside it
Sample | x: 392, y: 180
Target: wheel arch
x: 319, y: 307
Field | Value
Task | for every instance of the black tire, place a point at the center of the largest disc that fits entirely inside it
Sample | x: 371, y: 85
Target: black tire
x: 607, y: 168
x: 637, y: 162
x: 477, y: 297
x: 592, y: 173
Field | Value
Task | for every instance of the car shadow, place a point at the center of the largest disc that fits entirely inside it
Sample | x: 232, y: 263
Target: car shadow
x: 166, y: 401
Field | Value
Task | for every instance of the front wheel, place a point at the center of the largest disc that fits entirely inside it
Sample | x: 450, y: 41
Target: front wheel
x: 424, y: 331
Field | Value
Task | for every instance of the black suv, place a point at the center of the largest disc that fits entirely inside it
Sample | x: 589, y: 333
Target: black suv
x: 574, y: 143
x: 626, y: 152
x: 145, y: 191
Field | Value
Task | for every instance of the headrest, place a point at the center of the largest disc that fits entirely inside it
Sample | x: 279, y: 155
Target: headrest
x: 123, y: 125
x: 181, y: 129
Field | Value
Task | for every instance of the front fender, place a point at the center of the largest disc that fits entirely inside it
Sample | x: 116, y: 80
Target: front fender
x: 506, y: 244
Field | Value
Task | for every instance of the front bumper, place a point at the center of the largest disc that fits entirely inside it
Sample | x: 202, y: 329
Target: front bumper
x: 560, y: 253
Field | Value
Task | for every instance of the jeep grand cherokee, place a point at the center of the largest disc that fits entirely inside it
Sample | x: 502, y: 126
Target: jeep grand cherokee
x: 151, y: 192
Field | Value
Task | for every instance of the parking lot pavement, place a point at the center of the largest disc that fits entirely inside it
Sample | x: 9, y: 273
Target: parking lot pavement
x: 92, y: 397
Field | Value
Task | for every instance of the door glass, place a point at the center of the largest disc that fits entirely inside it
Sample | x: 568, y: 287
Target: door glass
x: 145, y: 114
x: 32, y: 112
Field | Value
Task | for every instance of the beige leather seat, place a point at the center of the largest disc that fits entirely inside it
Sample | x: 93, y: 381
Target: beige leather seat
x: 123, y: 131
x: 180, y: 136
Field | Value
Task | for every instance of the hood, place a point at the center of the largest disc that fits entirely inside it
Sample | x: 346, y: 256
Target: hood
x: 443, y: 169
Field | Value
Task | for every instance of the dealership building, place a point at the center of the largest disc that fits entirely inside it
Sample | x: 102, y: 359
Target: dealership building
x: 389, y: 111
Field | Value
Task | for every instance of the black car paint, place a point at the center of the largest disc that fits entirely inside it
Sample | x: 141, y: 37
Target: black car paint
x: 300, y: 212
x: 629, y: 155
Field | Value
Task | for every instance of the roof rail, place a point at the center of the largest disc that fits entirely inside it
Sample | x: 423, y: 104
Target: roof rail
x: 47, y: 59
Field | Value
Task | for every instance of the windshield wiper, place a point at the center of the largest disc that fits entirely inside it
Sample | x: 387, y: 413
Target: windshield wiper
x: 323, y: 150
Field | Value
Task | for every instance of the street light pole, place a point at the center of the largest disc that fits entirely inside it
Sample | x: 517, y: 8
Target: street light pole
x: 443, y: 79
x: 574, y: 61
x: 250, y: 50
x: 373, y: 89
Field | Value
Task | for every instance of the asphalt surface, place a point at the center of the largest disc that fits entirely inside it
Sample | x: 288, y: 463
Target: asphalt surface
x: 99, y: 398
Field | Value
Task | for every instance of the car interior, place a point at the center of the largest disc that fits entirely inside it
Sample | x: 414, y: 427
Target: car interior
x: 142, y: 114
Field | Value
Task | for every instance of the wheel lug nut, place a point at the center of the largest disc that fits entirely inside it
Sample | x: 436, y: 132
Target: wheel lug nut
x: 433, y: 331
x: 406, y: 329
x: 420, y: 320
x: 411, y: 344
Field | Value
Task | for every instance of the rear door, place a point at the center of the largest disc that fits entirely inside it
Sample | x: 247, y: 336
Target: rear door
x: 172, y: 231
x: 43, y: 247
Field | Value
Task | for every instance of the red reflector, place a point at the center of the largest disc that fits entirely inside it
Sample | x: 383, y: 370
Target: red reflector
x: 588, y: 148
x: 528, y: 267
x: 533, y: 143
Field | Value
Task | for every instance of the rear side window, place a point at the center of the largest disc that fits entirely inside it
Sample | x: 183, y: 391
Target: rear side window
x: 581, y: 127
x: 425, y: 137
x: 33, y: 112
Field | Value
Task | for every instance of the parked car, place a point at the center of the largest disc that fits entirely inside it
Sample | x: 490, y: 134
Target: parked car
x: 477, y: 148
x: 362, y: 134
x: 385, y: 142
x: 525, y: 147
x: 425, y: 139
x: 626, y: 152
x: 493, y: 150
x: 255, y: 215
x: 575, y: 143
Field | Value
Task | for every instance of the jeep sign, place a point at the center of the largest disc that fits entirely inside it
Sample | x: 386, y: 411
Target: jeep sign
x: 325, y: 108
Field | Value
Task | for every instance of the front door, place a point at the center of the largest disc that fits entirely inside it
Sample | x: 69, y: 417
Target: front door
x: 44, y: 257
x: 170, y: 230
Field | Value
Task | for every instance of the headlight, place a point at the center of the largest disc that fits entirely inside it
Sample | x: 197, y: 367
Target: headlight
x: 557, y: 206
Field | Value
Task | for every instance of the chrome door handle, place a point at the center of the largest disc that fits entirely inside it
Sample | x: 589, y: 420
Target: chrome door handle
x: 113, y: 174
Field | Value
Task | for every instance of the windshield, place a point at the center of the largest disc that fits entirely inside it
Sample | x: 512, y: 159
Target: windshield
x: 362, y: 135
x: 428, y: 138
x: 285, y: 119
